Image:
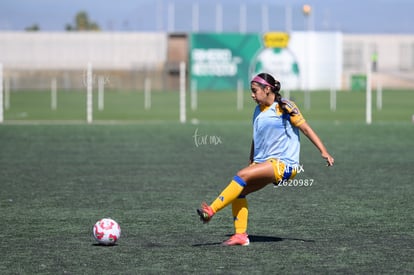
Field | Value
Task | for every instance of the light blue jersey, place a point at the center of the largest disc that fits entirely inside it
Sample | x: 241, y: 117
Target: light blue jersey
x: 275, y: 133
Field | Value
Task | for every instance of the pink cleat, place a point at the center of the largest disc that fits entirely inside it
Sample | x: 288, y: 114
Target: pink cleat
x: 205, y: 213
x: 237, y: 239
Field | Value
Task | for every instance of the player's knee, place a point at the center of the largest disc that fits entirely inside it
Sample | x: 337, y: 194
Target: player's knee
x: 244, y: 175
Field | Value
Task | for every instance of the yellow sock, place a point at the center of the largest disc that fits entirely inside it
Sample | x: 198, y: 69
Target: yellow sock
x: 240, y: 214
x: 230, y: 193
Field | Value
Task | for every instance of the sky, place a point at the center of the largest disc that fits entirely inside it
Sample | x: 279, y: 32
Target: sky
x: 347, y: 16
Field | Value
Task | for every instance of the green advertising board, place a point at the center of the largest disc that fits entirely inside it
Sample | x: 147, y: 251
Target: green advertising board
x: 218, y: 61
x: 358, y: 82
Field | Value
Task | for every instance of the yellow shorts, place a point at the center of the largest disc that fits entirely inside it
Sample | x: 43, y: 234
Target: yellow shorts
x: 282, y: 171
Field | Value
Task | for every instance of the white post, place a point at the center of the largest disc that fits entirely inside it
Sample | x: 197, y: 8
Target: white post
x: 89, y: 106
x: 242, y: 18
x: 219, y: 18
x: 195, y: 17
x: 171, y: 16
x: 307, y: 101
x: 333, y: 99
x: 194, y: 98
x: 288, y: 18
x: 147, y: 93
x: 183, y: 117
x: 101, y: 93
x: 265, y: 18
x: 53, y: 94
x: 7, y: 93
x: 160, y: 15
x: 1, y: 94
x: 309, y: 50
x: 287, y: 94
x: 239, y: 94
x: 379, y: 96
x: 368, y: 108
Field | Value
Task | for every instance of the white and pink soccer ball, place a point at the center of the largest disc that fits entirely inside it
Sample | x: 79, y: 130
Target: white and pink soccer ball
x: 106, y: 231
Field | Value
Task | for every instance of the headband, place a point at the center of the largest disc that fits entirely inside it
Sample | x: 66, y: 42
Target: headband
x: 260, y: 80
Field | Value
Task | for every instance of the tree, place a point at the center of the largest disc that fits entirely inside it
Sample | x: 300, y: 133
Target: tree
x: 32, y: 28
x: 82, y: 23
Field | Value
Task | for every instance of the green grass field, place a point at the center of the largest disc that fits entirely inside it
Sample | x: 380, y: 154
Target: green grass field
x: 58, y: 178
x: 212, y: 106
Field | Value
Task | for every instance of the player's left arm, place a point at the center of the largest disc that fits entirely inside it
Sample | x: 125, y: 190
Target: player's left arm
x: 312, y: 136
x: 299, y: 121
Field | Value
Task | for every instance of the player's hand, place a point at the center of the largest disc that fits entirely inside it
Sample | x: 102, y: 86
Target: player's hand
x: 329, y: 159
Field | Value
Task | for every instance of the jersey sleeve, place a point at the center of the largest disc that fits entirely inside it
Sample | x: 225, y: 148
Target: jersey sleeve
x: 296, y: 117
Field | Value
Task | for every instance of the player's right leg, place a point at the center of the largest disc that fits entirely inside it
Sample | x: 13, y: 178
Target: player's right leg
x: 232, y: 191
x: 250, y: 178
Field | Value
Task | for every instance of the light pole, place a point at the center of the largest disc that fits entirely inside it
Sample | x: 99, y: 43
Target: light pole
x: 307, y: 10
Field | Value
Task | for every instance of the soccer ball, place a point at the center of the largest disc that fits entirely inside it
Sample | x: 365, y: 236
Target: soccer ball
x: 106, y: 231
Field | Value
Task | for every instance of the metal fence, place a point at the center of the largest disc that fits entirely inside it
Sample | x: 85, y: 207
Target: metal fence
x: 125, y: 60
x: 75, y: 80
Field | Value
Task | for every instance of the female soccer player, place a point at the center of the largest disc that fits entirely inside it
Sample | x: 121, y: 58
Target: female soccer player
x: 274, y: 155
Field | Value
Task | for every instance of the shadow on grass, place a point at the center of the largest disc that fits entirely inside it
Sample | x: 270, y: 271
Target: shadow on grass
x: 104, y: 245
x: 268, y: 239
x: 261, y: 239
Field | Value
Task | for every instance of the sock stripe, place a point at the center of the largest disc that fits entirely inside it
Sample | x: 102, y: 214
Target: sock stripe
x: 288, y: 173
x: 240, y: 181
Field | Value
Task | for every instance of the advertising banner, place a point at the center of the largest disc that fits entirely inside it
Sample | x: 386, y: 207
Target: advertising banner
x: 219, y: 60
x: 300, y: 61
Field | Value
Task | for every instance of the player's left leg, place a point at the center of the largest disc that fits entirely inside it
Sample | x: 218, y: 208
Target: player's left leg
x: 240, y: 211
x: 240, y: 207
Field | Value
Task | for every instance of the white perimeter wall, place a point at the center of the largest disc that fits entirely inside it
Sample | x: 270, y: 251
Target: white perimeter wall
x: 323, y: 57
x: 73, y: 50
x: 395, y: 52
x: 319, y: 55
